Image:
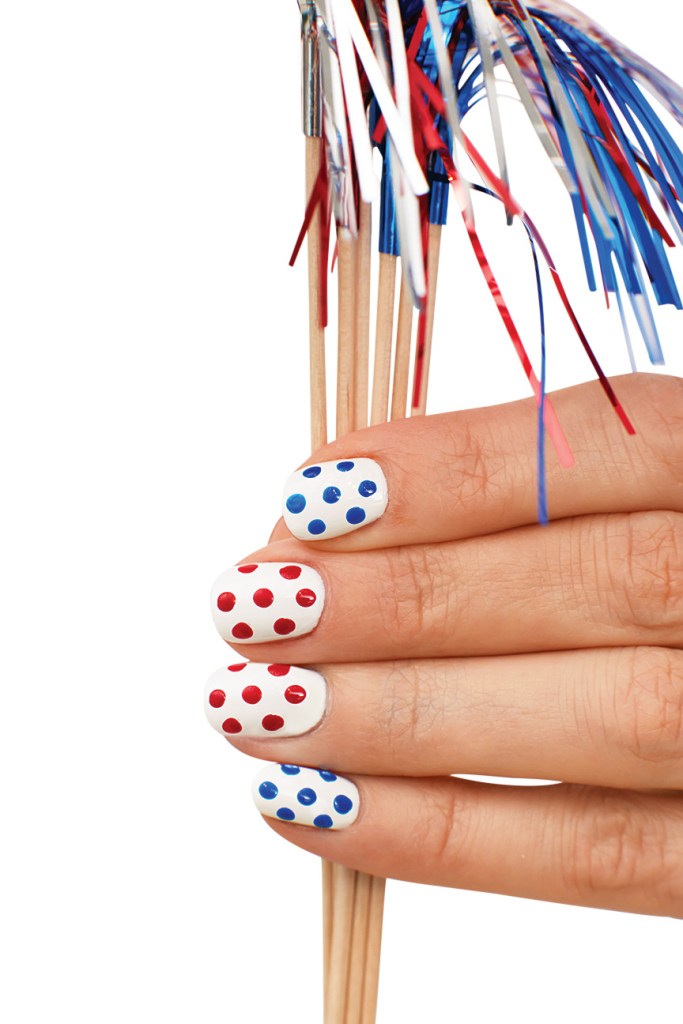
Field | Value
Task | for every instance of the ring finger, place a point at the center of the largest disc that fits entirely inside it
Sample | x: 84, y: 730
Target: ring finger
x: 601, y: 717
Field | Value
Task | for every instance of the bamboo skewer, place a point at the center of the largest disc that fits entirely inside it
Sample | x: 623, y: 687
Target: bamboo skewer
x: 327, y: 930
x: 346, y: 332
x: 343, y: 885
x: 361, y: 362
x: 399, y: 396
x: 349, y: 900
x: 358, y: 958
x: 338, y: 881
x: 356, y: 962
x: 373, y: 949
x: 384, y: 329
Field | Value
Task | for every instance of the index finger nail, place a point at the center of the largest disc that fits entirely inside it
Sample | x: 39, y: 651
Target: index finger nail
x: 330, y: 499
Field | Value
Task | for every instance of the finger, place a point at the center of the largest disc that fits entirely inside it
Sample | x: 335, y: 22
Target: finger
x: 615, y: 849
x: 474, y: 472
x: 594, y: 581
x: 604, y: 717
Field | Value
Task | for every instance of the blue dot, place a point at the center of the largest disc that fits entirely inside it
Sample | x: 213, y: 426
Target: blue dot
x: 367, y: 488
x: 344, y: 467
x: 327, y: 776
x: 331, y: 494
x: 323, y: 821
x: 342, y: 804
x: 312, y: 472
x: 355, y: 515
x: 285, y: 813
x: 268, y: 790
x: 290, y: 769
x: 316, y: 526
x: 307, y: 796
x: 296, y: 503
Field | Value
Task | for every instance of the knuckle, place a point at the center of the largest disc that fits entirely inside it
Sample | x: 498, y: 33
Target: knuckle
x: 399, y: 717
x: 474, y: 466
x: 649, y: 719
x: 418, y: 592
x: 447, y: 826
x: 616, y: 850
x: 645, y: 558
x: 662, y: 413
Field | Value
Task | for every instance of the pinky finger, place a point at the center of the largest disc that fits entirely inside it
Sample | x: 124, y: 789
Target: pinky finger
x: 607, y: 848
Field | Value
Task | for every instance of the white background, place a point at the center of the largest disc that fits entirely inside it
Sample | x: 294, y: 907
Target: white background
x: 153, y: 400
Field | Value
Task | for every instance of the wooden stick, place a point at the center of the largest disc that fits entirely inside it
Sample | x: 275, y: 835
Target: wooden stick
x: 433, y: 253
x: 340, y: 882
x: 373, y: 950
x: 399, y: 397
x: 316, y: 332
x: 327, y: 927
x: 343, y: 890
x: 362, y: 354
x: 384, y: 330
x: 346, y: 332
x: 358, y: 960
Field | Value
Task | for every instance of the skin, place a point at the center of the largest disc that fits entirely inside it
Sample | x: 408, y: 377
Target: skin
x: 459, y: 636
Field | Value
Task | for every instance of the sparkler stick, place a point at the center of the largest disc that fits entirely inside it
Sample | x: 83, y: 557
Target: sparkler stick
x: 346, y: 333
x: 363, y: 279
x: 312, y: 125
x: 384, y: 327
x: 412, y: 70
x: 404, y: 333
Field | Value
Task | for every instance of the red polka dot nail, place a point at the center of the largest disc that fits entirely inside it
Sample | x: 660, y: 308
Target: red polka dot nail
x: 264, y: 700
x: 260, y: 602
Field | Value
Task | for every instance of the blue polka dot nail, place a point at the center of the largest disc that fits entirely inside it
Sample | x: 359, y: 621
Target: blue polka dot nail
x: 306, y: 796
x: 329, y: 499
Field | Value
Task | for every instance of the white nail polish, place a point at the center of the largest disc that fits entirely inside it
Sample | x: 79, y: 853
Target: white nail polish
x: 306, y: 796
x: 329, y: 499
x: 250, y: 699
x: 260, y: 602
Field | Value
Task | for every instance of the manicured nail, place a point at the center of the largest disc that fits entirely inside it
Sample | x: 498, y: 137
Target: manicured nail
x: 249, y: 699
x: 265, y: 601
x: 334, y: 498
x: 305, y: 796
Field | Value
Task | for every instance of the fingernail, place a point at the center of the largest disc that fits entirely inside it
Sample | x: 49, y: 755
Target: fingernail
x: 249, y: 699
x: 330, y: 499
x: 306, y: 796
x: 265, y: 601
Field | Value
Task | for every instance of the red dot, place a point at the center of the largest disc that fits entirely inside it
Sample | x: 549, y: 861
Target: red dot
x: 295, y: 694
x: 283, y: 626
x: 306, y: 598
x: 242, y: 631
x: 290, y: 572
x: 231, y: 725
x: 217, y: 698
x: 263, y: 598
x: 251, y: 694
x: 252, y: 567
x: 279, y: 670
x: 237, y: 668
x: 272, y: 723
x: 226, y: 602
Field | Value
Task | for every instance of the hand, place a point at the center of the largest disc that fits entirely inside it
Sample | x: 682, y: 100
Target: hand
x: 459, y: 636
